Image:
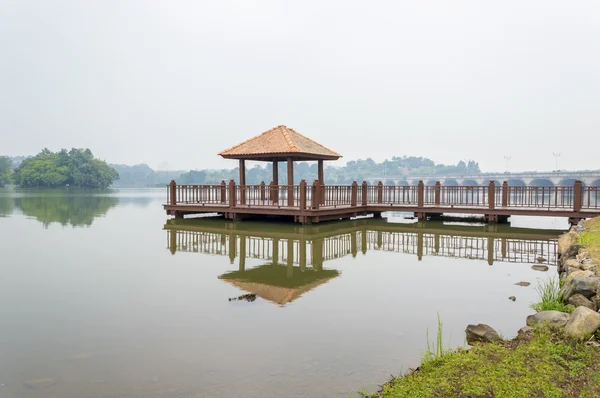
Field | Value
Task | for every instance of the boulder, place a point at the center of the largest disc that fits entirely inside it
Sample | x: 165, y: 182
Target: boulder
x: 572, y: 251
x: 579, y: 272
x: 571, y: 263
x: 513, y: 298
x: 481, y: 333
x: 555, y: 319
x: 578, y: 300
x: 522, y: 283
x: 525, y: 330
x: 583, y: 323
x: 539, y: 267
x: 588, y: 265
x: 566, y: 240
x: 596, y: 300
x: 582, y: 255
x: 584, y: 285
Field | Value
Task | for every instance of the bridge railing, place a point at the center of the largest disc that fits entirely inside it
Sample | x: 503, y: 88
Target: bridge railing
x: 315, y: 196
x: 591, y: 198
x: 197, y: 194
x: 544, y: 197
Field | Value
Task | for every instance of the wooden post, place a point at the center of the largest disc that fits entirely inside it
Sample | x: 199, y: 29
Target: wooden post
x: 421, y: 194
x: 380, y: 192
x: 290, y: 173
x: 505, y: 194
x: 438, y: 192
x: 354, y: 194
x: 492, y: 195
x: 231, y: 193
x: 577, y: 196
x: 223, y: 192
x: 173, y: 192
x: 320, y: 171
x: 274, y: 192
x: 365, y: 193
x: 242, y: 181
x: 262, y: 191
x: 276, y: 172
x: 302, y: 195
x: 316, y: 195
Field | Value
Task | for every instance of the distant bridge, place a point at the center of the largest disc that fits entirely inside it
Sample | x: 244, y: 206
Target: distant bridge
x: 526, y: 178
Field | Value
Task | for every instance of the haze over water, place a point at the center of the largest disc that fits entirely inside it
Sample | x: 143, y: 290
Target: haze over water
x: 94, y: 303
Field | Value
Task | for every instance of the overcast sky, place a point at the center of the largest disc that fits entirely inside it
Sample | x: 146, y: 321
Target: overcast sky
x: 171, y: 83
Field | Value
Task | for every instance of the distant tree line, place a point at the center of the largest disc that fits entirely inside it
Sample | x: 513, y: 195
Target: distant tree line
x: 354, y: 170
x: 76, y: 168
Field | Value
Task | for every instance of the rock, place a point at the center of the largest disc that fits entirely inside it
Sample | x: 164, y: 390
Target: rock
x: 541, y: 260
x: 566, y: 240
x: 583, y: 323
x: 584, y: 285
x: 513, y: 298
x: 481, y: 333
x: 596, y: 301
x: 37, y: 384
x: 555, y: 319
x: 588, y: 265
x: 582, y: 255
x: 578, y: 300
x: 525, y: 330
x: 579, y: 272
x: 571, y: 263
x: 539, y: 267
x: 572, y: 251
x: 522, y: 283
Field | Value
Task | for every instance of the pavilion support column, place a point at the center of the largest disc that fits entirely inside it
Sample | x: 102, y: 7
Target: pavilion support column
x: 242, y: 181
x: 321, y: 178
x: 290, y: 174
x: 276, y: 172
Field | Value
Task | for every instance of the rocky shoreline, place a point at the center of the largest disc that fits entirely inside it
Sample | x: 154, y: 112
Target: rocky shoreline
x: 574, y: 328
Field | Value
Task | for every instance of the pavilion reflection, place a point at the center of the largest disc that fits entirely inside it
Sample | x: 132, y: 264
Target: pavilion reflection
x: 293, y: 256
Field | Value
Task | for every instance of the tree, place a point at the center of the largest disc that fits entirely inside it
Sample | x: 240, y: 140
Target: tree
x: 77, y: 168
x: 5, y: 170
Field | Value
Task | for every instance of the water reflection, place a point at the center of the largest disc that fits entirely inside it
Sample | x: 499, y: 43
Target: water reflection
x: 293, y: 257
x: 75, y: 211
x: 75, y: 208
x: 6, y: 206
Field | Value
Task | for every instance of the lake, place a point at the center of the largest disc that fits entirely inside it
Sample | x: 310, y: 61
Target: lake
x: 102, y: 295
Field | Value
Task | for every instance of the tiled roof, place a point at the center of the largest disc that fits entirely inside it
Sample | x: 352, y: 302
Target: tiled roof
x: 279, y: 140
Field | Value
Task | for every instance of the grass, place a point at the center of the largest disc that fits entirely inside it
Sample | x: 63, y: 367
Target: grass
x: 435, y: 349
x: 550, y: 297
x: 542, y: 365
x: 591, y: 238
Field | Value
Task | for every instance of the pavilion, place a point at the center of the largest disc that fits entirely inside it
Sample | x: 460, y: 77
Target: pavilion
x: 280, y: 144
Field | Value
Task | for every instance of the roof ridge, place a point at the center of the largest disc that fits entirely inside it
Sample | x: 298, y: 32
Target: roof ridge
x: 311, y: 140
x: 249, y: 139
x: 284, y: 131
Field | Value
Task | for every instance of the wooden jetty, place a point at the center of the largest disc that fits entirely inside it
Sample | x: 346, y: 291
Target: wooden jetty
x: 312, y: 203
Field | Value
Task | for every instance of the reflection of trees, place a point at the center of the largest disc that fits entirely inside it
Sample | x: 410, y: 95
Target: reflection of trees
x: 73, y: 210
x: 6, y: 205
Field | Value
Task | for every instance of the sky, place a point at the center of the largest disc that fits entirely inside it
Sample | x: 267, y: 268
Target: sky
x: 172, y: 83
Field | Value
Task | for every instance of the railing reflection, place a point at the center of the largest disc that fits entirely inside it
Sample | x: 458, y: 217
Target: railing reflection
x: 303, y: 249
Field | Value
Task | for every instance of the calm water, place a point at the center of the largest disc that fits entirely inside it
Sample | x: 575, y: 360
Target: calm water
x: 103, y: 296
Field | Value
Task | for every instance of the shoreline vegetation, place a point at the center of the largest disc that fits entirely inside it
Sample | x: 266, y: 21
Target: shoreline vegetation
x: 556, y: 355
x: 142, y: 175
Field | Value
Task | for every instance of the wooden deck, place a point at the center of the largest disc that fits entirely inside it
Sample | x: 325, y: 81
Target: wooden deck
x: 315, y: 203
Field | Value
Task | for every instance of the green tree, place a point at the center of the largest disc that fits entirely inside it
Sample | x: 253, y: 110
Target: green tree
x: 5, y: 170
x: 77, y: 167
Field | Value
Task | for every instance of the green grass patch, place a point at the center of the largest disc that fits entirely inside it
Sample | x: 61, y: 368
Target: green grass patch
x: 591, y: 238
x: 545, y: 365
x: 550, y: 297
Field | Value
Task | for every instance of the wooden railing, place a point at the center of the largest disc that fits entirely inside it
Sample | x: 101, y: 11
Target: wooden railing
x: 315, y: 196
